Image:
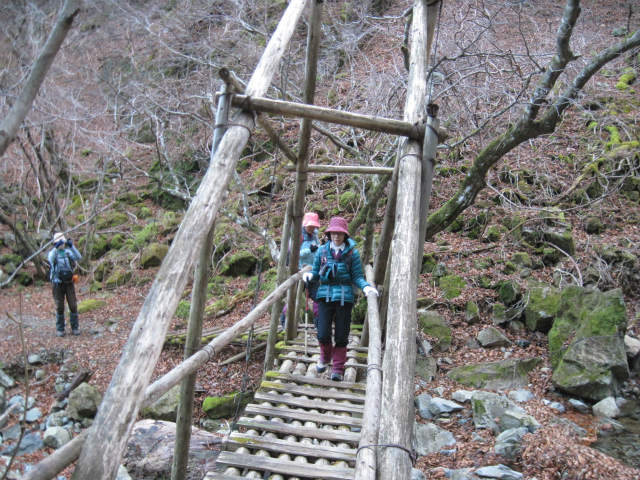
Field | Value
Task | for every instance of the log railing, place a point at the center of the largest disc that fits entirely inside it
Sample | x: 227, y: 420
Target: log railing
x: 58, y: 461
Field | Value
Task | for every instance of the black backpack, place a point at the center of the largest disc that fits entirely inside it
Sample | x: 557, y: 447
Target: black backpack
x: 63, y: 265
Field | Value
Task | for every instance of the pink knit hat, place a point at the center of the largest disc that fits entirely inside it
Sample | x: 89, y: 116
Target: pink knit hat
x: 338, y: 224
x: 311, y: 219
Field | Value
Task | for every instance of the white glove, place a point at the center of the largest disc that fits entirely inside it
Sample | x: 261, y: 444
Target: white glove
x: 307, y: 276
x: 369, y: 289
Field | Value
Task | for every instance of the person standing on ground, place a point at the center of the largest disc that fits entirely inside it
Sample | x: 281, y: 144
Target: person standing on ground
x: 337, y: 266
x: 63, y: 258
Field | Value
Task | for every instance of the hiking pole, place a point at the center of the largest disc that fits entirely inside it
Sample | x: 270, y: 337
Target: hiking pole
x: 306, y: 320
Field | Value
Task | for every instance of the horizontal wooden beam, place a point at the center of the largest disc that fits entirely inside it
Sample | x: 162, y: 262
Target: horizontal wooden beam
x: 345, y: 169
x: 293, y: 109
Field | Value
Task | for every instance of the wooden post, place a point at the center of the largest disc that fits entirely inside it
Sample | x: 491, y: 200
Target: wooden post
x: 399, y: 360
x: 270, y: 354
x: 323, y: 114
x: 311, y: 68
x: 108, y: 436
x: 184, y: 418
x: 366, y: 457
x: 58, y: 460
x: 426, y: 181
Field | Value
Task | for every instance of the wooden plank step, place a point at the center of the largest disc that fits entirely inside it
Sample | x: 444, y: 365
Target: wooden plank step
x: 292, y: 448
x: 290, y: 414
x: 312, y: 392
x: 306, y: 403
x: 313, y: 350
x: 302, y: 432
x: 303, y: 359
x: 222, y: 476
x: 322, y: 382
x: 284, y: 467
x: 314, y: 343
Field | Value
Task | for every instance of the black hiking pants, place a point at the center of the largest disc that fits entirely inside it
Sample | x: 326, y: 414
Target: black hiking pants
x: 60, y: 292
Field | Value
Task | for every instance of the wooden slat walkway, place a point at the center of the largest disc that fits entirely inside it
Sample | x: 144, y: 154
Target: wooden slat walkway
x: 300, y: 424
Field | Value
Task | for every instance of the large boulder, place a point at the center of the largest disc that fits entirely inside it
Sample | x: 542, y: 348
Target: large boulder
x: 435, y: 326
x: 498, y: 413
x: 84, y: 402
x: 542, y: 305
x: 149, y: 452
x: 586, y: 343
x: 165, y: 408
x: 507, y: 374
x: 153, y: 255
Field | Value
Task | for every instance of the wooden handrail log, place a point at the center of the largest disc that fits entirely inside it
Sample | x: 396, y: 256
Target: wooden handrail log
x: 366, y: 457
x: 323, y: 114
x: 58, y: 460
x: 361, y: 169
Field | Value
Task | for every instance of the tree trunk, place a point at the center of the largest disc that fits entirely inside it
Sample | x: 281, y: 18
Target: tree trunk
x: 9, y: 126
x: 107, y: 438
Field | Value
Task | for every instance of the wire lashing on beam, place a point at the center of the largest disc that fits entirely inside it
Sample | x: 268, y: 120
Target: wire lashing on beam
x: 411, y: 453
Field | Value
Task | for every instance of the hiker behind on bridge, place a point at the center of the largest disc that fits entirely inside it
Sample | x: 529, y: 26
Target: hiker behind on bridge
x: 308, y: 247
x: 63, y: 258
x: 337, y: 266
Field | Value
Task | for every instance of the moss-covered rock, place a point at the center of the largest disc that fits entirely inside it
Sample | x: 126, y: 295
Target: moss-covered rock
x: 90, y: 304
x: 225, y: 406
x: 116, y: 242
x: 144, y: 212
x: 522, y: 259
x: 241, y: 263
x: 510, y: 373
x: 165, y: 408
x: 429, y: 262
x: 593, y: 225
x: 508, y: 292
x: 626, y: 79
x: 585, y: 313
x: 452, y: 285
x: 118, y: 278
x: 99, y: 247
x: 145, y: 235
x: 170, y: 222
x: 153, y: 255
x: 112, y: 219
x: 10, y: 258
x: 493, y: 233
x: 542, y: 306
x: 348, y: 201
x: 472, y: 312
x: 435, y: 326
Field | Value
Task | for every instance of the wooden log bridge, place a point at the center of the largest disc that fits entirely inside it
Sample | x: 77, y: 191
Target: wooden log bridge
x: 301, y: 424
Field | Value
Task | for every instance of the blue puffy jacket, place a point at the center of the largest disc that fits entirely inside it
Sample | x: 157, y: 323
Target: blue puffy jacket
x: 306, y: 255
x: 71, y: 252
x: 338, y: 286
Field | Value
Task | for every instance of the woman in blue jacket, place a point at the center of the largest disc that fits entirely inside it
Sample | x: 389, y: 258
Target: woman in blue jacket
x: 337, y: 266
